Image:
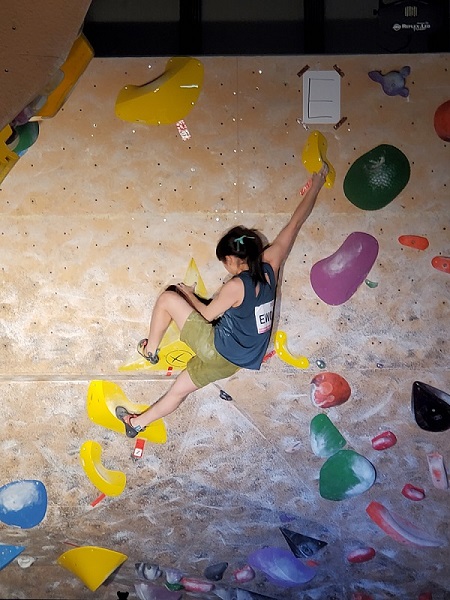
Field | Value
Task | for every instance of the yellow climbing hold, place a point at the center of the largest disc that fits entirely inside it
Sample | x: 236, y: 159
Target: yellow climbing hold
x: 91, y: 564
x: 174, y: 354
x: 110, y: 483
x: 315, y: 154
x: 167, y: 99
x: 66, y: 78
x: 301, y: 362
x: 8, y: 158
x: 102, y: 399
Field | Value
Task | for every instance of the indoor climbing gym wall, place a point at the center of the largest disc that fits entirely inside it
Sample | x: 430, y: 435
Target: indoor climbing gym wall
x: 323, y: 475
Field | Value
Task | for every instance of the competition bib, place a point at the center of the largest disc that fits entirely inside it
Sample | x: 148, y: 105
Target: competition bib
x: 263, y: 316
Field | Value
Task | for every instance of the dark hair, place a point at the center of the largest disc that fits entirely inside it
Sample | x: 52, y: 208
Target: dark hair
x: 247, y: 245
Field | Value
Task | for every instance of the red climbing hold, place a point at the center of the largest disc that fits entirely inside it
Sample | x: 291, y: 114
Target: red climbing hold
x: 192, y: 584
x: 413, y: 493
x: 384, y: 440
x: 414, y: 241
x: 441, y: 263
x: 361, y: 555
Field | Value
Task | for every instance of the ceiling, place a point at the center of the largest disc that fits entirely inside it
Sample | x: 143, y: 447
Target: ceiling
x: 36, y: 35
x: 264, y: 27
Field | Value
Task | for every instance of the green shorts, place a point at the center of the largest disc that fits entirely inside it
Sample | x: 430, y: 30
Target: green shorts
x: 207, y: 365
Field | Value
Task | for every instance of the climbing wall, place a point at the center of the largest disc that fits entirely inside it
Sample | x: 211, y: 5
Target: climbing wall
x: 101, y: 214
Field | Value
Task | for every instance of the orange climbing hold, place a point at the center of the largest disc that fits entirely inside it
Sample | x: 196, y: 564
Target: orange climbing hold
x: 441, y: 263
x: 414, y: 241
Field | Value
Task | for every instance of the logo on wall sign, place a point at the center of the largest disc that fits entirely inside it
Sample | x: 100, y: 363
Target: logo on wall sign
x: 419, y: 26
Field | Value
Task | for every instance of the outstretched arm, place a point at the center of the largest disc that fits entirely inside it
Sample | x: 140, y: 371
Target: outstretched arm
x: 279, y: 250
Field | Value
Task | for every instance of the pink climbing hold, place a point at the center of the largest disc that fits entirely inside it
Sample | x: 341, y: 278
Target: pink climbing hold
x: 244, y: 574
x: 426, y: 596
x: 192, y: 584
x: 361, y: 596
x: 361, y: 555
x: 412, y: 492
x: 384, y: 440
x: 400, y: 529
x: 437, y: 470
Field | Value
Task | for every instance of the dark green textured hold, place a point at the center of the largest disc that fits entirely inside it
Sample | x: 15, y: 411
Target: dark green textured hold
x: 377, y: 177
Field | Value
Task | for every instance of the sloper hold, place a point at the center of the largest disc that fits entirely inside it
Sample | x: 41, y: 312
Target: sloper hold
x: 329, y: 389
x: 337, y: 277
x: 325, y: 437
x: 346, y: 474
x: 399, y: 529
x: 280, y: 566
x: 302, y: 546
x: 23, y: 503
x: 167, y: 99
x: 430, y: 406
x: 377, y: 177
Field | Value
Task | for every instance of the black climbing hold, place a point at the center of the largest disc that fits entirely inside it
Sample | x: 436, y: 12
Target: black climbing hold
x: 431, y: 407
x: 215, y: 572
x: 301, y: 545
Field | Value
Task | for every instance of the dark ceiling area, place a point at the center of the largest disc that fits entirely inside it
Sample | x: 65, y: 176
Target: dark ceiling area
x: 266, y: 27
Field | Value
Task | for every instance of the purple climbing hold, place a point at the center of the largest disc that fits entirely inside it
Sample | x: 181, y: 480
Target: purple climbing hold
x: 281, y: 567
x: 393, y: 83
x: 336, y: 278
x: 150, y: 591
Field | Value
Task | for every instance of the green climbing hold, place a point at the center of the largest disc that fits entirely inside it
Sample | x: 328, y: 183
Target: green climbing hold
x: 377, y: 177
x: 346, y: 474
x: 28, y: 134
x: 325, y: 438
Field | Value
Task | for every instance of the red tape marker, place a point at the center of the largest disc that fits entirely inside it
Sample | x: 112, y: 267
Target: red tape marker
x: 98, y: 500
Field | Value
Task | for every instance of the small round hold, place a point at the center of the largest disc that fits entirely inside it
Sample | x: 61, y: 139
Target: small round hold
x: 380, y: 365
x: 25, y: 561
x: 225, y: 396
x: 321, y: 363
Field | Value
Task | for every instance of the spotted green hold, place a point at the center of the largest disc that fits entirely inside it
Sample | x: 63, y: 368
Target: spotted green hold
x: 377, y: 177
x: 325, y: 438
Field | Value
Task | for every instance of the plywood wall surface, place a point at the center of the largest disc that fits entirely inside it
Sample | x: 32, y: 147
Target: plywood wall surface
x: 100, y: 215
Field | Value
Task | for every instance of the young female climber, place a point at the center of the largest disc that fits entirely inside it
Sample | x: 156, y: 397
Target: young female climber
x: 233, y: 330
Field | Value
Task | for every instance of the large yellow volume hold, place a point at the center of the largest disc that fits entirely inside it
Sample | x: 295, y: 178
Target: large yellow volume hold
x: 167, y: 99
